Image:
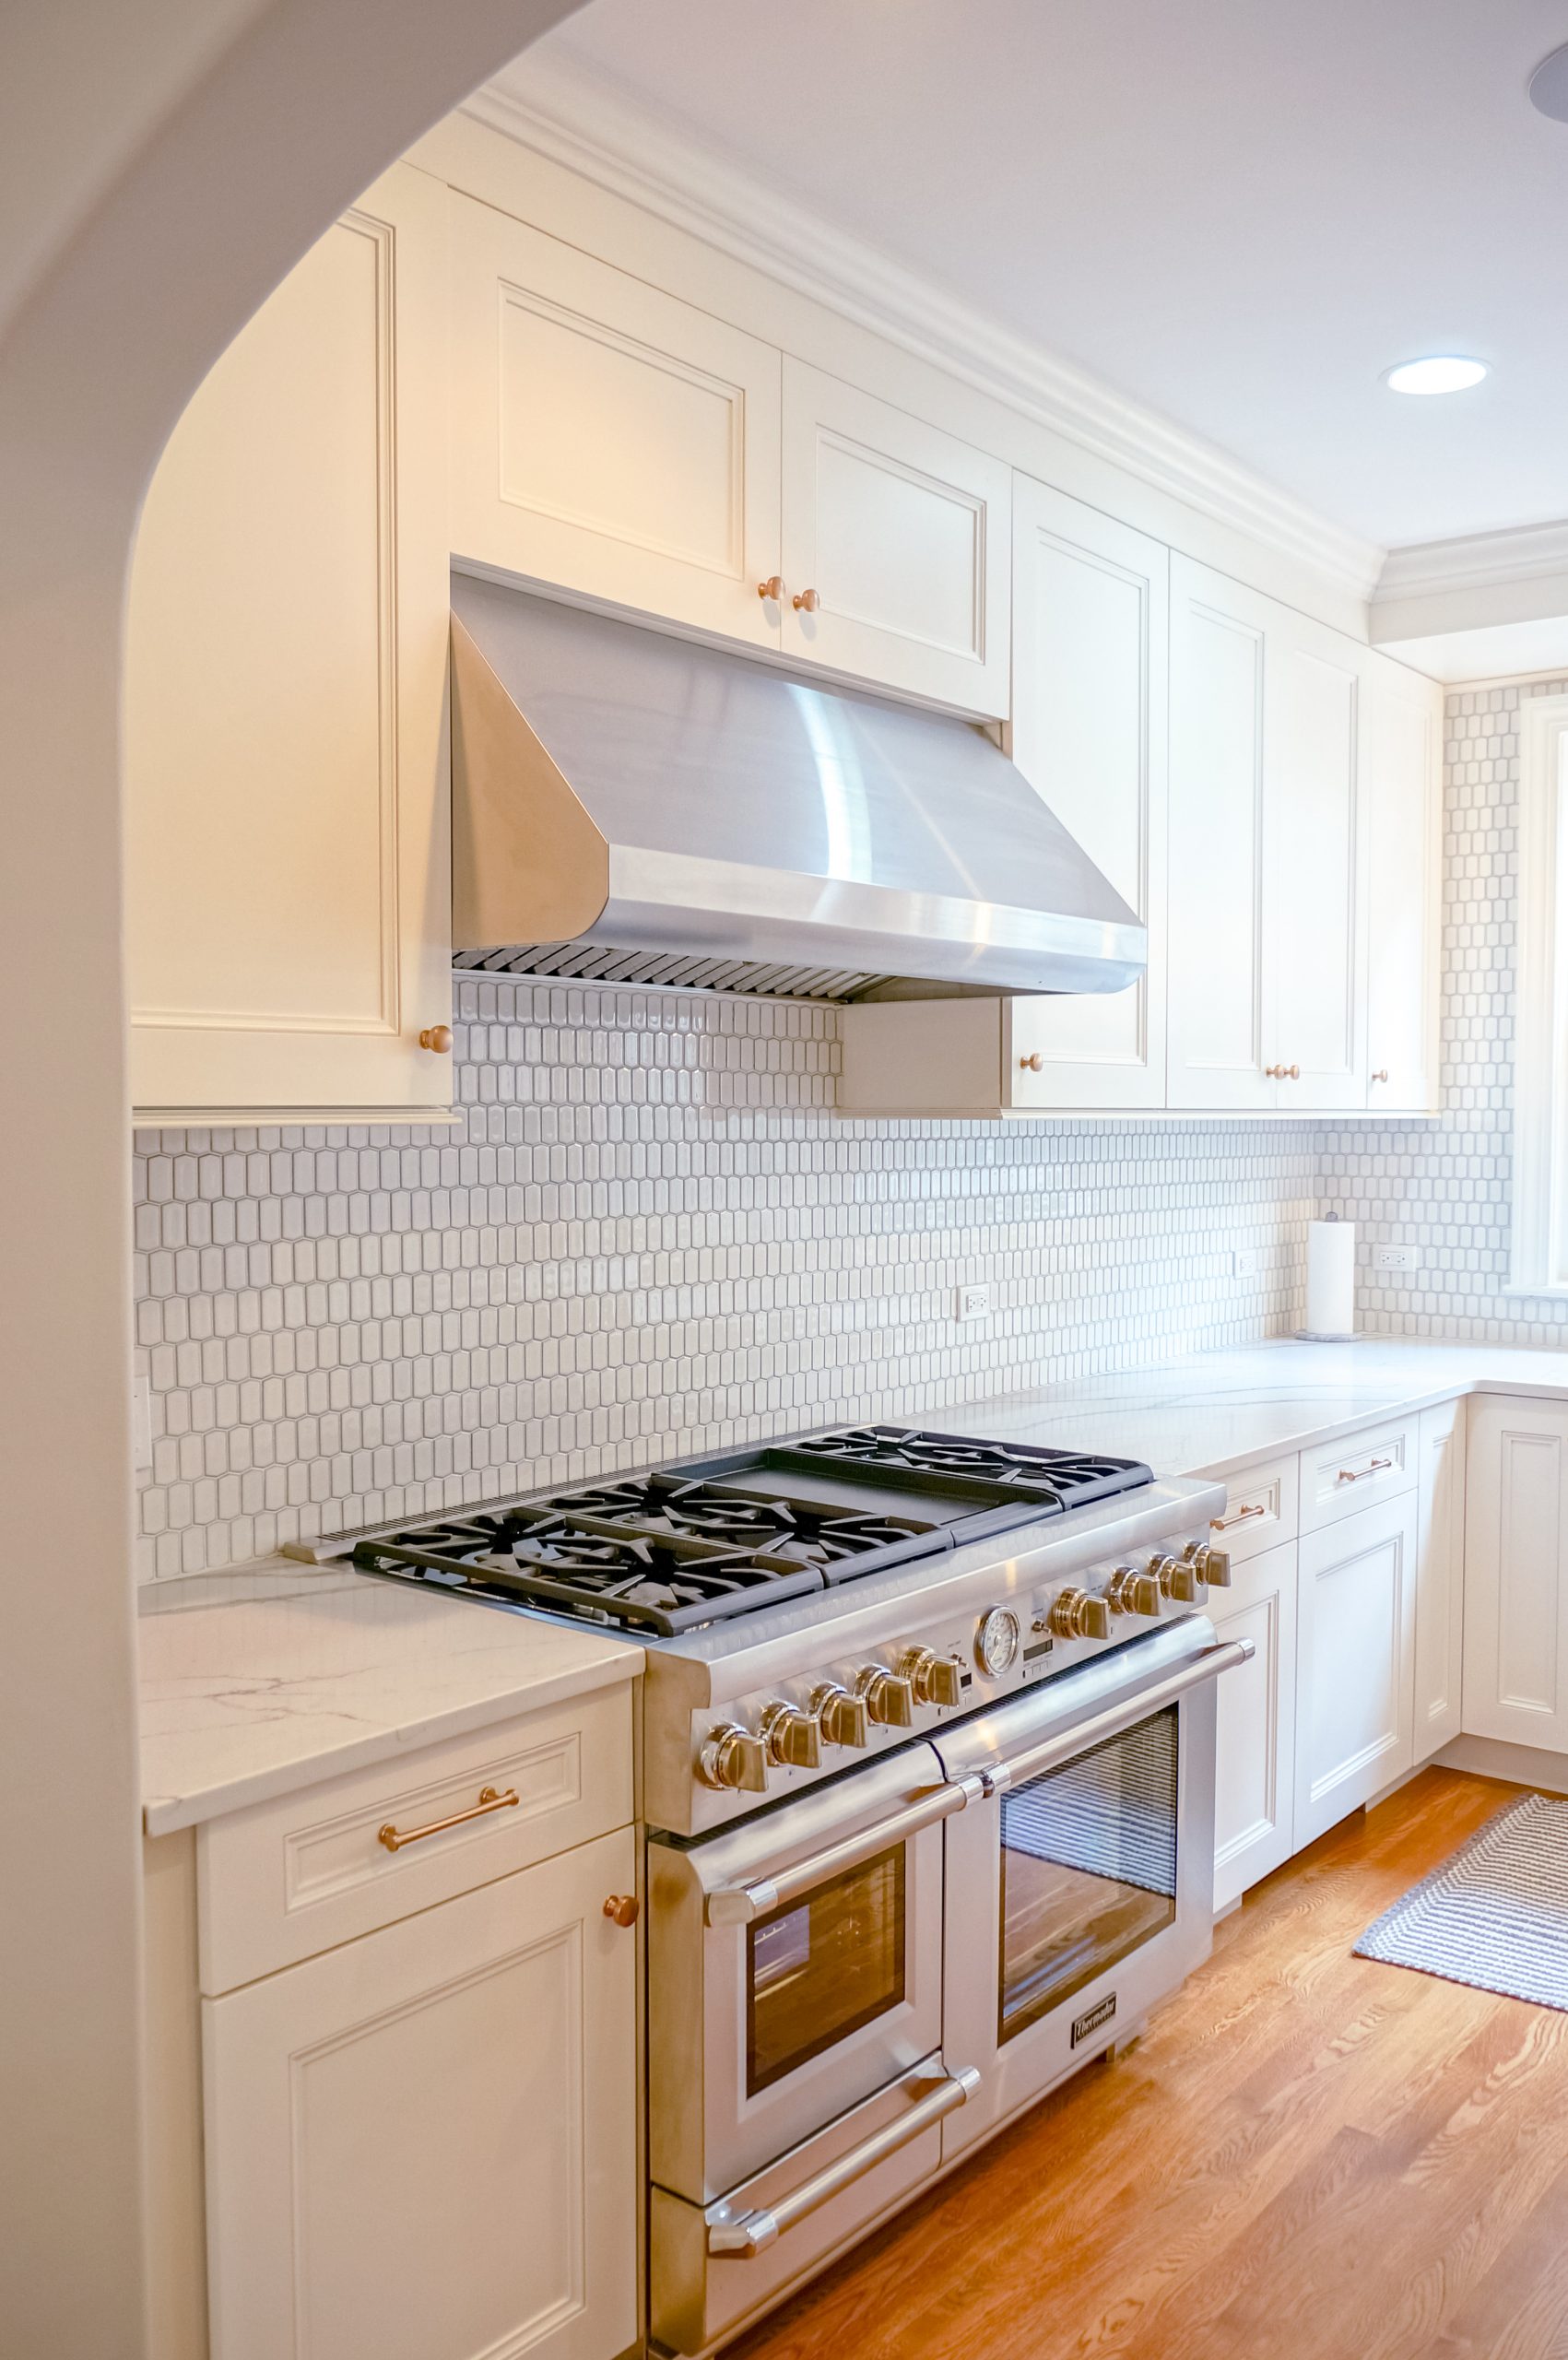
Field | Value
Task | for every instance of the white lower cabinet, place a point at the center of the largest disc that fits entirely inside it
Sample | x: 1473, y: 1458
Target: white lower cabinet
x: 1516, y: 1571
x: 1440, y: 1577
x: 1254, y: 1770
x: 1356, y: 1621
x: 421, y: 2145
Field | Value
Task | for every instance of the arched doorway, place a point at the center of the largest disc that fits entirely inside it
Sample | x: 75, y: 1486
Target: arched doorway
x: 168, y: 161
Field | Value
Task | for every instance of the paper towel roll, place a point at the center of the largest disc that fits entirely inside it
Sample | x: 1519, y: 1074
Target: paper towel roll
x: 1330, y: 1279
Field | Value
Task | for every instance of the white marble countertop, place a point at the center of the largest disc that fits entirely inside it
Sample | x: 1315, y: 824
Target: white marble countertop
x: 1214, y: 1413
x: 278, y: 1675
x: 271, y: 1678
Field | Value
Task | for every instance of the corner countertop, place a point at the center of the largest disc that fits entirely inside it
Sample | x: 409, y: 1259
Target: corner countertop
x: 1213, y: 1413
x: 282, y: 1674
x: 279, y: 1675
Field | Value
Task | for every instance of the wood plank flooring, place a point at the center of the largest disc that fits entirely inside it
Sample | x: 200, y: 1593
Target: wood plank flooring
x: 1310, y: 2157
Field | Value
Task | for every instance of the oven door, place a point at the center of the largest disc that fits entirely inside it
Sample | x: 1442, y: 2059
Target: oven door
x: 795, y: 1968
x: 1081, y: 1890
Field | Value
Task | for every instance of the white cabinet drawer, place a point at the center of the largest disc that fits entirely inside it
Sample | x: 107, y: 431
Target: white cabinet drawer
x: 297, y: 1875
x: 1344, y: 1477
x: 1260, y: 1510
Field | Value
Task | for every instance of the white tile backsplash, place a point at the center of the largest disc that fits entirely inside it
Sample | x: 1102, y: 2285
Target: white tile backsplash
x: 653, y: 1237
x: 650, y: 1236
x: 1444, y: 1188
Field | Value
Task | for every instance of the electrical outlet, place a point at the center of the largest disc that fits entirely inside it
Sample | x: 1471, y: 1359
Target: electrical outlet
x: 141, y: 1425
x: 1243, y: 1261
x: 1395, y: 1257
x: 971, y: 1303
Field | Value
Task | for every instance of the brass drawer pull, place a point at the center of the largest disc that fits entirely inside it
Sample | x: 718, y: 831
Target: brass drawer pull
x: 488, y: 1800
x: 1360, y: 1474
x: 1223, y: 1523
x: 622, y: 1908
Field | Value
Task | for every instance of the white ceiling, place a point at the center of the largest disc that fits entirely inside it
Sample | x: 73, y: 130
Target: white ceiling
x: 1238, y: 211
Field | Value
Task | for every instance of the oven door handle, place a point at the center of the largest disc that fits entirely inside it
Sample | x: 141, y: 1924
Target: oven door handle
x: 752, y: 2233
x: 1052, y: 1751
x: 741, y: 1905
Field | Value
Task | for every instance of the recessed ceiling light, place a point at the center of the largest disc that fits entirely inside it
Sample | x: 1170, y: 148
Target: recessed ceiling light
x: 1549, y: 86
x: 1442, y: 372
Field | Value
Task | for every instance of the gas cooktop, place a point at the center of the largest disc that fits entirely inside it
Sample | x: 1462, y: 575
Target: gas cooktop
x: 706, y: 1539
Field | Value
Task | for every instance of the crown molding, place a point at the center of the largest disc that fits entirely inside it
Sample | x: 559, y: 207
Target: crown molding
x: 1481, y: 560
x: 578, y: 119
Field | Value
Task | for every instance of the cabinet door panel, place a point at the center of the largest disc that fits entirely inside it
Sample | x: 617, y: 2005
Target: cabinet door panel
x: 1310, y: 725
x: 1440, y: 1578
x: 1516, y: 1571
x: 286, y: 808
x: 1403, y: 787
x: 1216, y: 959
x: 422, y: 2146
x: 606, y: 438
x: 1091, y: 632
x: 1355, y: 1637
x: 1256, y: 1767
x: 904, y: 533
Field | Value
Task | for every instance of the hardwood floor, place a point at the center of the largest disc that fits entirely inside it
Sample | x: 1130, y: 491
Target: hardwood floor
x: 1310, y: 2157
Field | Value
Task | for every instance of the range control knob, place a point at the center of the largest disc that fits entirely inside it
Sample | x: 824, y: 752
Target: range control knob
x: 1213, y: 1565
x: 1079, y: 1614
x: 792, y: 1737
x: 842, y: 1718
x: 1177, y: 1578
x: 1130, y: 1592
x: 934, y: 1679
x: 890, y: 1700
x: 731, y: 1757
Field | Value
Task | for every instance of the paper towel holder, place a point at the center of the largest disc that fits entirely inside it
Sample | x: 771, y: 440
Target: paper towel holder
x: 1327, y: 1335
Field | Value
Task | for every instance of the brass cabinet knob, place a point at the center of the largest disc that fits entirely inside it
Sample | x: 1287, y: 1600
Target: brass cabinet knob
x: 842, y: 1718
x: 772, y: 588
x: 621, y: 1909
x: 806, y: 603
x: 792, y: 1737
x: 1034, y: 1063
x: 1283, y: 1073
x: 1382, y: 1074
x: 437, y: 1037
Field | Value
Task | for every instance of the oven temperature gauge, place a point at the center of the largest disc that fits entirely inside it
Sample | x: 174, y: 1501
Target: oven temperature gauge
x: 995, y: 1641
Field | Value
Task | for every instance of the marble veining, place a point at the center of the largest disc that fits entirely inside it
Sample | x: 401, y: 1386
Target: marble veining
x: 281, y: 1675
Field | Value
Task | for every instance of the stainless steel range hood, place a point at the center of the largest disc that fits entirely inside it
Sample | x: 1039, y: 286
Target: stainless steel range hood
x: 631, y: 806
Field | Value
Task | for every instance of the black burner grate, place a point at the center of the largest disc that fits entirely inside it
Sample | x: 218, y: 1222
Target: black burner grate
x: 699, y: 1543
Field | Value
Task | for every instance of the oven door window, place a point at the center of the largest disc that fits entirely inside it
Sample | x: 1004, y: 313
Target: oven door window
x: 1088, y: 1868
x: 820, y: 1968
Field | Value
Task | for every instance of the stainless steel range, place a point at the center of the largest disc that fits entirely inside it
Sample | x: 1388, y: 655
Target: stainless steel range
x: 928, y: 1778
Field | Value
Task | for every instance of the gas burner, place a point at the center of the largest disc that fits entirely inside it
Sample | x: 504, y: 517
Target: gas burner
x: 725, y: 1515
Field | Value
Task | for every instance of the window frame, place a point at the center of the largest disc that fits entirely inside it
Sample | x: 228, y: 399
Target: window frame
x: 1539, y: 1259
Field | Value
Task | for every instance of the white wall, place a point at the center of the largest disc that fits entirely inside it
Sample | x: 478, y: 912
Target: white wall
x: 167, y: 162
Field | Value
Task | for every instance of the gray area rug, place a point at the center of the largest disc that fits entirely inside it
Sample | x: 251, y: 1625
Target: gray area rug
x: 1494, y: 1914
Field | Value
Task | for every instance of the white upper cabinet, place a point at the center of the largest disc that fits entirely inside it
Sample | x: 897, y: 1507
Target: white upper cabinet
x: 1312, y: 939
x: 895, y: 550
x: 608, y: 438
x: 1402, y: 784
x: 1090, y: 629
x: 1217, y: 979
x: 286, y: 805
x: 1268, y: 946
